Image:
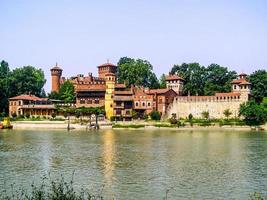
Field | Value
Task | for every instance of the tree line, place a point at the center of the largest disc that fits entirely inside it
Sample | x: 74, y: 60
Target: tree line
x: 199, y: 80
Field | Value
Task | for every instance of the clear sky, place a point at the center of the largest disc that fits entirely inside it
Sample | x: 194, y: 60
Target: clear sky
x: 81, y: 34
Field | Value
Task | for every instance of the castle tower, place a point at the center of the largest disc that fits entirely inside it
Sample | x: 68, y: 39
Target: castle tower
x: 56, y: 73
x: 242, y: 86
x: 110, y: 87
x: 176, y: 83
x: 105, y: 69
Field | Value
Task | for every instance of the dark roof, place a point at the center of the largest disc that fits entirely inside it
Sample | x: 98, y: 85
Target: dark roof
x: 108, y: 64
x: 56, y: 68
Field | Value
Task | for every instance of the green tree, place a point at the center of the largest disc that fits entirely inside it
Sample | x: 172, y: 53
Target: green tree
x: 204, y: 81
x: 54, y: 95
x: 258, y: 79
x: 227, y: 113
x: 27, y: 79
x: 254, y: 114
x: 137, y: 72
x: 205, y: 115
x: 162, y: 81
x: 4, y: 83
x: 155, y: 115
x: 66, y: 92
x: 194, y: 75
x: 218, y: 79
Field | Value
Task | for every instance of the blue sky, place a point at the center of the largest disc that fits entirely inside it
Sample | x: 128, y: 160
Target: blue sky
x: 80, y: 35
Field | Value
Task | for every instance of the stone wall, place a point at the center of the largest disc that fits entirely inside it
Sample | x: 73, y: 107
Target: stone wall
x: 183, y: 106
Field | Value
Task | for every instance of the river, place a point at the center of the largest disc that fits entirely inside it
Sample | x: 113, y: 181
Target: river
x: 140, y: 164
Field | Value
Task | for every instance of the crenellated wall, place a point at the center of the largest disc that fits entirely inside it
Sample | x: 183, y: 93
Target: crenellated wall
x: 182, y: 106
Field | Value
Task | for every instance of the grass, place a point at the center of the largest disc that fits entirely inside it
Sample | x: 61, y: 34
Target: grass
x: 59, y: 189
x: 128, y: 126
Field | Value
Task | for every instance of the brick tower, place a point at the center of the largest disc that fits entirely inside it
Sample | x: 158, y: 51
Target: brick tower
x: 56, y: 73
x: 105, y: 69
x: 110, y: 88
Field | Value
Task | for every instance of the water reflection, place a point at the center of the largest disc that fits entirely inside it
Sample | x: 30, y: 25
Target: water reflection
x: 141, y: 164
x: 108, y: 156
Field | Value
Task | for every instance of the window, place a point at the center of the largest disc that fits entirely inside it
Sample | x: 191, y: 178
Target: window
x: 82, y: 101
x: 97, y: 101
x: 136, y: 104
x: 234, y: 86
x: 90, y: 101
x: 148, y: 104
x: 143, y: 104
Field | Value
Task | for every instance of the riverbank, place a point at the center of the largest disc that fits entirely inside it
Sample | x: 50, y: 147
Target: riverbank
x: 121, y: 125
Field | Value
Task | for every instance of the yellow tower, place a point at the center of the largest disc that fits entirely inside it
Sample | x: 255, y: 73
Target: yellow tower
x: 110, y: 87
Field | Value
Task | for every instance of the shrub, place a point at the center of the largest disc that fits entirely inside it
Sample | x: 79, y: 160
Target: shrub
x: 145, y: 116
x: 53, y: 115
x: 173, y: 120
x: 27, y: 115
x: 14, y: 115
x: 155, y: 115
x: 112, y: 118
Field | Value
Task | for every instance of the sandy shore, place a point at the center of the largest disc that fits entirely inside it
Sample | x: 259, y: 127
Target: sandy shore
x: 104, y: 125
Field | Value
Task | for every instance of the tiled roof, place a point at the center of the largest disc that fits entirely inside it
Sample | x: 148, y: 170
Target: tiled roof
x: 227, y: 94
x: 240, y: 81
x: 123, y: 92
x: 120, y: 85
x: 28, y: 97
x: 173, y: 77
x: 157, y: 91
x: 90, y: 87
x: 244, y: 82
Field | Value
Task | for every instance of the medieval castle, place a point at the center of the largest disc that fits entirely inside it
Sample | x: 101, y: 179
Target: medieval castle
x: 120, y: 102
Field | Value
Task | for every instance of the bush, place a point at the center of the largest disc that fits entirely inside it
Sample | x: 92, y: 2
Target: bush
x: 53, y: 115
x: 112, y: 118
x: 155, y: 115
x: 14, y: 115
x: 173, y: 121
x: 27, y: 115
x: 145, y: 116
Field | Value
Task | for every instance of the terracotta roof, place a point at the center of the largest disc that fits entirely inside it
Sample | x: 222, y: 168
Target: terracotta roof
x: 90, y: 87
x: 240, y: 81
x: 120, y: 85
x: 227, y: 94
x: 108, y: 64
x: 158, y: 91
x: 123, y: 98
x: 123, y: 92
x: 244, y: 82
x: 173, y: 77
x: 242, y: 74
x: 28, y: 97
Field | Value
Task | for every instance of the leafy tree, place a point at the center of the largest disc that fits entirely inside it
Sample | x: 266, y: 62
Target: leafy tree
x: 194, y: 76
x: 19, y: 81
x: 254, y: 114
x: 258, y: 79
x: 162, y: 81
x: 204, y: 81
x: 67, y: 92
x: 155, y: 115
x: 205, y: 114
x: 137, y: 72
x: 218, y: 79
x: 4, y: 83
x: 54, y: 95
x: 27, y: 80
x: 227, y: 113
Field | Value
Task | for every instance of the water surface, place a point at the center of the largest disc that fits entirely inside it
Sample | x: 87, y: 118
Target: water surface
x: 138, y: 164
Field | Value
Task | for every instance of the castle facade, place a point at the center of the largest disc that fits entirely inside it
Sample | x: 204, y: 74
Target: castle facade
x: 183, y: 106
